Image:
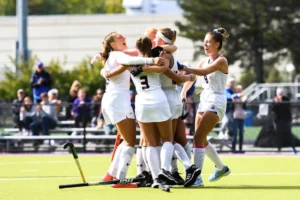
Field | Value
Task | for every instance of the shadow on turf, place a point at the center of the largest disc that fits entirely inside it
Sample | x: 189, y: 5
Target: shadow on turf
x: 245, y: 187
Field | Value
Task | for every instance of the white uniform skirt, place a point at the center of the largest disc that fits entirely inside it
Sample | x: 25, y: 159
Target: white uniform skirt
x: 116, y: 106
x: 174, y: 101
x: 152, y: 106
x: 213, y: 101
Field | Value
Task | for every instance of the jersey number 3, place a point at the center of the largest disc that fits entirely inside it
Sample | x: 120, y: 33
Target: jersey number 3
x: 144, y: 82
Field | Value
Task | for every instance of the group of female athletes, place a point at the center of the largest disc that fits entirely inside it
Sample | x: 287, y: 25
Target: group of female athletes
x: 158, y: 106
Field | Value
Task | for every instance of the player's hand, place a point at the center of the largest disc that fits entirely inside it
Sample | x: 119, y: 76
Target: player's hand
x: 96, y: 57
x: 136, y: 70
x: 193, y: 77
x: 158, y: 61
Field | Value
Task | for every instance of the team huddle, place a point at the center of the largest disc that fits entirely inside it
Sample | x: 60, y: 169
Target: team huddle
x: 153, y: 68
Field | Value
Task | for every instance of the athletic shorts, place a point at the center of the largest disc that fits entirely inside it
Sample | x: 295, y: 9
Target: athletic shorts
x: 152, y: 106
x: 116, y: 106
x: 174, y: 101
x: 213, y: 101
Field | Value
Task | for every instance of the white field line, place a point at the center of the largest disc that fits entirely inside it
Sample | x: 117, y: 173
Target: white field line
x: 45, y: 162
x: 98, y: 177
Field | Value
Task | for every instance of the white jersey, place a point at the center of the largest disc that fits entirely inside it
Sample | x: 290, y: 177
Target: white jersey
x: 146, y: 81
x: 121, y: 82
x: 166, y: 82
x: 215, y: 81
x: 170, y: 89
x: 151, y: 104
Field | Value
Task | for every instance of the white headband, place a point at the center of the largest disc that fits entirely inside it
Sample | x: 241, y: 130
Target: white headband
x: 161, y: 36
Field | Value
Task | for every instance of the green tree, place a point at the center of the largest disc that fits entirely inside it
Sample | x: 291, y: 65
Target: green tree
x: 50, y: 7
x: 88, y: 75
x: 256, y: 28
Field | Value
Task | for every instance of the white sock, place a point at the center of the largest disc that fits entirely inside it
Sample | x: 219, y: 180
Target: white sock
x: 153, y: 160
x: 188, y: 150
x: 174, y: 166
x: 182, y: 156
x: 166, y: 155
x: 113, y: 168
x: 158, y: 149
x: 199, y: 154
x: 211, y: 152
x: 140, y: 164
x: 125, y: 160
x: 144, y: 149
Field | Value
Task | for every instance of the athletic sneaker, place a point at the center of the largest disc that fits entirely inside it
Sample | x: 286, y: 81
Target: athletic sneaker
x: 158, y: 183
x: 198, y: 182
x: 166, y: 177
x: 107, y: 177
x: 219, y: 174
x: 191, y: 175
x: 126, y: 185
x: 148, y: 182
x: 178, y: 179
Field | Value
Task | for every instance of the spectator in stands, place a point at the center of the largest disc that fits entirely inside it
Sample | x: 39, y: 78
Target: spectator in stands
x: 227, y: 121
x: 283, y: 119
x: 96, y: 107
x: 76, y: 85
x: 53, y: 95
x: 82, y: 109
x: 190, y: 117
x: 40, y: 82
x: 27, y: 114
x: 46, y: 117
x: 239, y: 116
x: 17, y: 104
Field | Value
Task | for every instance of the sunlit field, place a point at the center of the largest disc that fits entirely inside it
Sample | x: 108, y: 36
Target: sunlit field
x: 253, y: 177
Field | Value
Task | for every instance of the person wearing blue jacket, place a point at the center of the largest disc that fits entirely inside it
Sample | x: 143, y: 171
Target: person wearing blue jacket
x: 40, y: 82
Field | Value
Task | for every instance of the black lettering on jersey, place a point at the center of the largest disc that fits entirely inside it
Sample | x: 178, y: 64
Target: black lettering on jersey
x: 205, y: 78
x: 107, y: 81
x: 144, y: 82
x: 173, y: 82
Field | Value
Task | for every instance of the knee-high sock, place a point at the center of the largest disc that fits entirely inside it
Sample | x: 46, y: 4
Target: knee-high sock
x: 113, y: 168
x: 182, y: 156
x: 199, y: 154
x: 174, y: 166
x: 166, y: 155
x: 125, y: 160
x: 158, y: 149
x: 188, y: 150
x: 153, y: 161
x: 211, y: 152
x: 140, y: 164
x: 144, y: 149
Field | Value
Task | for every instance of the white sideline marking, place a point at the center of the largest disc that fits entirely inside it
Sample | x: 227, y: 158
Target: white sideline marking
x: 45, y: 162
x: 98, y: 177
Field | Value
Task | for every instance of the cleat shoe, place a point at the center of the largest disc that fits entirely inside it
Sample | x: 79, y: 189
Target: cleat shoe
x: 126, y: 185
x: 107, y: 177
x: 219, y: 174
x: 166, y: 177
x: 198, y: 182
x: 191, y: 175
x: 148, y: 182
x: 158, y: 183
x: 178, y: 179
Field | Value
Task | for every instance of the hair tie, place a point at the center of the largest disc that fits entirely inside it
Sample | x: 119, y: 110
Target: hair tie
x: 216, y: 30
